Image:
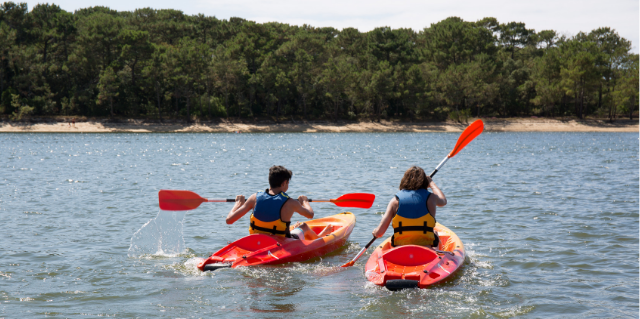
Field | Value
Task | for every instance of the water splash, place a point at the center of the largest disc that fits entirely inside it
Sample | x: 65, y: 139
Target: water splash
x: 159, y: 237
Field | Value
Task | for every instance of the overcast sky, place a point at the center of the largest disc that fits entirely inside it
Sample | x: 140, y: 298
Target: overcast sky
x: 564, y: 16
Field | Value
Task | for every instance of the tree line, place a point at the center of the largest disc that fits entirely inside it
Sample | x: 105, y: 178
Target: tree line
x: 162, y: 63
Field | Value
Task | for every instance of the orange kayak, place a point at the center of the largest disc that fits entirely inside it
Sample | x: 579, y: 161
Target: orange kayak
x: 412, y: 266
x: 260, y: 249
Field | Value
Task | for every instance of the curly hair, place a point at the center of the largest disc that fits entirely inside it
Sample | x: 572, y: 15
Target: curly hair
x: 414, y: 178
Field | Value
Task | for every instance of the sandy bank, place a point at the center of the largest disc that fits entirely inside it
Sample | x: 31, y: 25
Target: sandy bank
x: 491, y: 125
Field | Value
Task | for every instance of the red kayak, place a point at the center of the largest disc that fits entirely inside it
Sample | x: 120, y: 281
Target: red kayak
x: 260, y: 249
x: 412, y: 266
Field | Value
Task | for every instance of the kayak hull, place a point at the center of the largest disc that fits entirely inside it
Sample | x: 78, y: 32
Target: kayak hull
x: 261, y: 249
x: 412, y: 266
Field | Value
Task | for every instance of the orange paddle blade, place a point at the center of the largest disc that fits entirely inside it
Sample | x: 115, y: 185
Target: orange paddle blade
x: 358, y: 200
x: 472, y: 131
x: 179, y: 200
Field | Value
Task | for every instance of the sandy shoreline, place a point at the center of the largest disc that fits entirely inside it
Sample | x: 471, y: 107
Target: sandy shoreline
x: 491, y: 125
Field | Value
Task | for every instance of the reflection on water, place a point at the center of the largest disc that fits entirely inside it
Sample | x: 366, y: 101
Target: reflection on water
x: 550, y: 224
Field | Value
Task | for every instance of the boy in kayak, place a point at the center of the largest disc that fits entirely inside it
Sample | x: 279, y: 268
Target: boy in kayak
x: 273, y: 209
x: 413, y: 211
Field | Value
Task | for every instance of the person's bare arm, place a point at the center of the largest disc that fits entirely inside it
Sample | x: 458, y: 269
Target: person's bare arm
x: 439, y: 198
x: 294, y: 206
x: 392, y: 208
x: 241, y: 208
x: 436, y: 199
x: 303, y: 207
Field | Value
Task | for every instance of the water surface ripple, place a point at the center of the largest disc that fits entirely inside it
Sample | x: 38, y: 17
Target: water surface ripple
x: 549, y: 220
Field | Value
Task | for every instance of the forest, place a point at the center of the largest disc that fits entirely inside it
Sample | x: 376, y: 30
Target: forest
x: 162, y: 64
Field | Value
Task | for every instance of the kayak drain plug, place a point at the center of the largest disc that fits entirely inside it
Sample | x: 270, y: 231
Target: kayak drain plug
x: 425, y: 271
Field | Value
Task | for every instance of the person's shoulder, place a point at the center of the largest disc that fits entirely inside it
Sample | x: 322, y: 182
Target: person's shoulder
x: 283, y: 194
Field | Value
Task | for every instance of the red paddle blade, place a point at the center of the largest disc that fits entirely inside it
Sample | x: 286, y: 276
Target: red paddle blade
x: 358, y: 200
x: 179, y: 200
x: 472, y: 131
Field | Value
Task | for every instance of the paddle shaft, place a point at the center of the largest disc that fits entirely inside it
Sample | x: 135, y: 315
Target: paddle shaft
x: 353, y: 261
x: 364, y: 249
x: 439, y: 166
x: 231, y: 200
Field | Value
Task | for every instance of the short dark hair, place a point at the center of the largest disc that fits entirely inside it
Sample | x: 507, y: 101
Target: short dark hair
x: 414, y: 179
x: 277, y: 175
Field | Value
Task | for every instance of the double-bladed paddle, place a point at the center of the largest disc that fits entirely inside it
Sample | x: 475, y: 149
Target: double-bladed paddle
x: 471, y: 132
x: 187, y: 200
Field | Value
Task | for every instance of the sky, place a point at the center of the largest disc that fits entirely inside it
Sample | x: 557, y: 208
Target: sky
x: 567, y: 17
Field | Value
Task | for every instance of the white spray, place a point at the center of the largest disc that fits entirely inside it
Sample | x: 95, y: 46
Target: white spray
x: 160, y: 236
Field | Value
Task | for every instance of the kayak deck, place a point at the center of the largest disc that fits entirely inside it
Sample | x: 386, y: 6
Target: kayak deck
x: 262, y: 249
x: 412, y: 266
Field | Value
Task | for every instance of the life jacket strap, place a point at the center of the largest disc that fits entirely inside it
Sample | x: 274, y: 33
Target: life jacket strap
x: 273, y: 231
x: 424, y: 229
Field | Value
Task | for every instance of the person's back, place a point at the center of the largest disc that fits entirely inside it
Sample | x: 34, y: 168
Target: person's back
x: 267, y: 214
x: 412, y: 211
x: 413, y: 224
x: 273, y: 209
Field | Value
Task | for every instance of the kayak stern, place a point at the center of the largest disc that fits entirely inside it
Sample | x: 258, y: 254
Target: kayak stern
x: 412, y: 266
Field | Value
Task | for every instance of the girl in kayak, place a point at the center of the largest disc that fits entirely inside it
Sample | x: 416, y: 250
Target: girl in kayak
x: 413, y: 211
x: 273, y: 209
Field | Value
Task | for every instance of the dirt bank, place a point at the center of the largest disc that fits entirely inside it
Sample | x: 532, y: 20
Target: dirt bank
x: 491, y: 125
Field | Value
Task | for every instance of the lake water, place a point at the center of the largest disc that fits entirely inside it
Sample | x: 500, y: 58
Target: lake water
x: 549, y: 221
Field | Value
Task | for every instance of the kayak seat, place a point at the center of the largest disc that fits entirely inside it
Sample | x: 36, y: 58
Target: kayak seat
x: 410, y: 255
x: 255, y: 242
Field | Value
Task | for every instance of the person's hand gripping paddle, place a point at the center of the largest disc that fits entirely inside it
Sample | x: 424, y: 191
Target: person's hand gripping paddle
x: 469, y: 134
x: 188, y: 200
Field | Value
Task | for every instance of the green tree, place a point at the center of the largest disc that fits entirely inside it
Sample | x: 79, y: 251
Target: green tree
x: 514, y: 35
x: 579, y: 74
x: 545, y: 74
x: 612, y: 52
x: 7, y: 40
x: 108, y: 88
x: 43, y: 27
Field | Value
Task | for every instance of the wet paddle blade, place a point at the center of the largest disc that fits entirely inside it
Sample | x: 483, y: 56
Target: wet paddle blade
x: 353, y: 261
x: 358, y: 200
x: 179, y: 200
x: 471, y: 132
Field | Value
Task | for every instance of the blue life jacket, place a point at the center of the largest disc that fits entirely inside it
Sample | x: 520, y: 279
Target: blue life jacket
x: 266, y: 217
x: 413, y: 224
x: 413, y: 204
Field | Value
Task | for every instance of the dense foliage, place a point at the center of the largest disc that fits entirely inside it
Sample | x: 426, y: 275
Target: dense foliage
x: 163, y: 63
